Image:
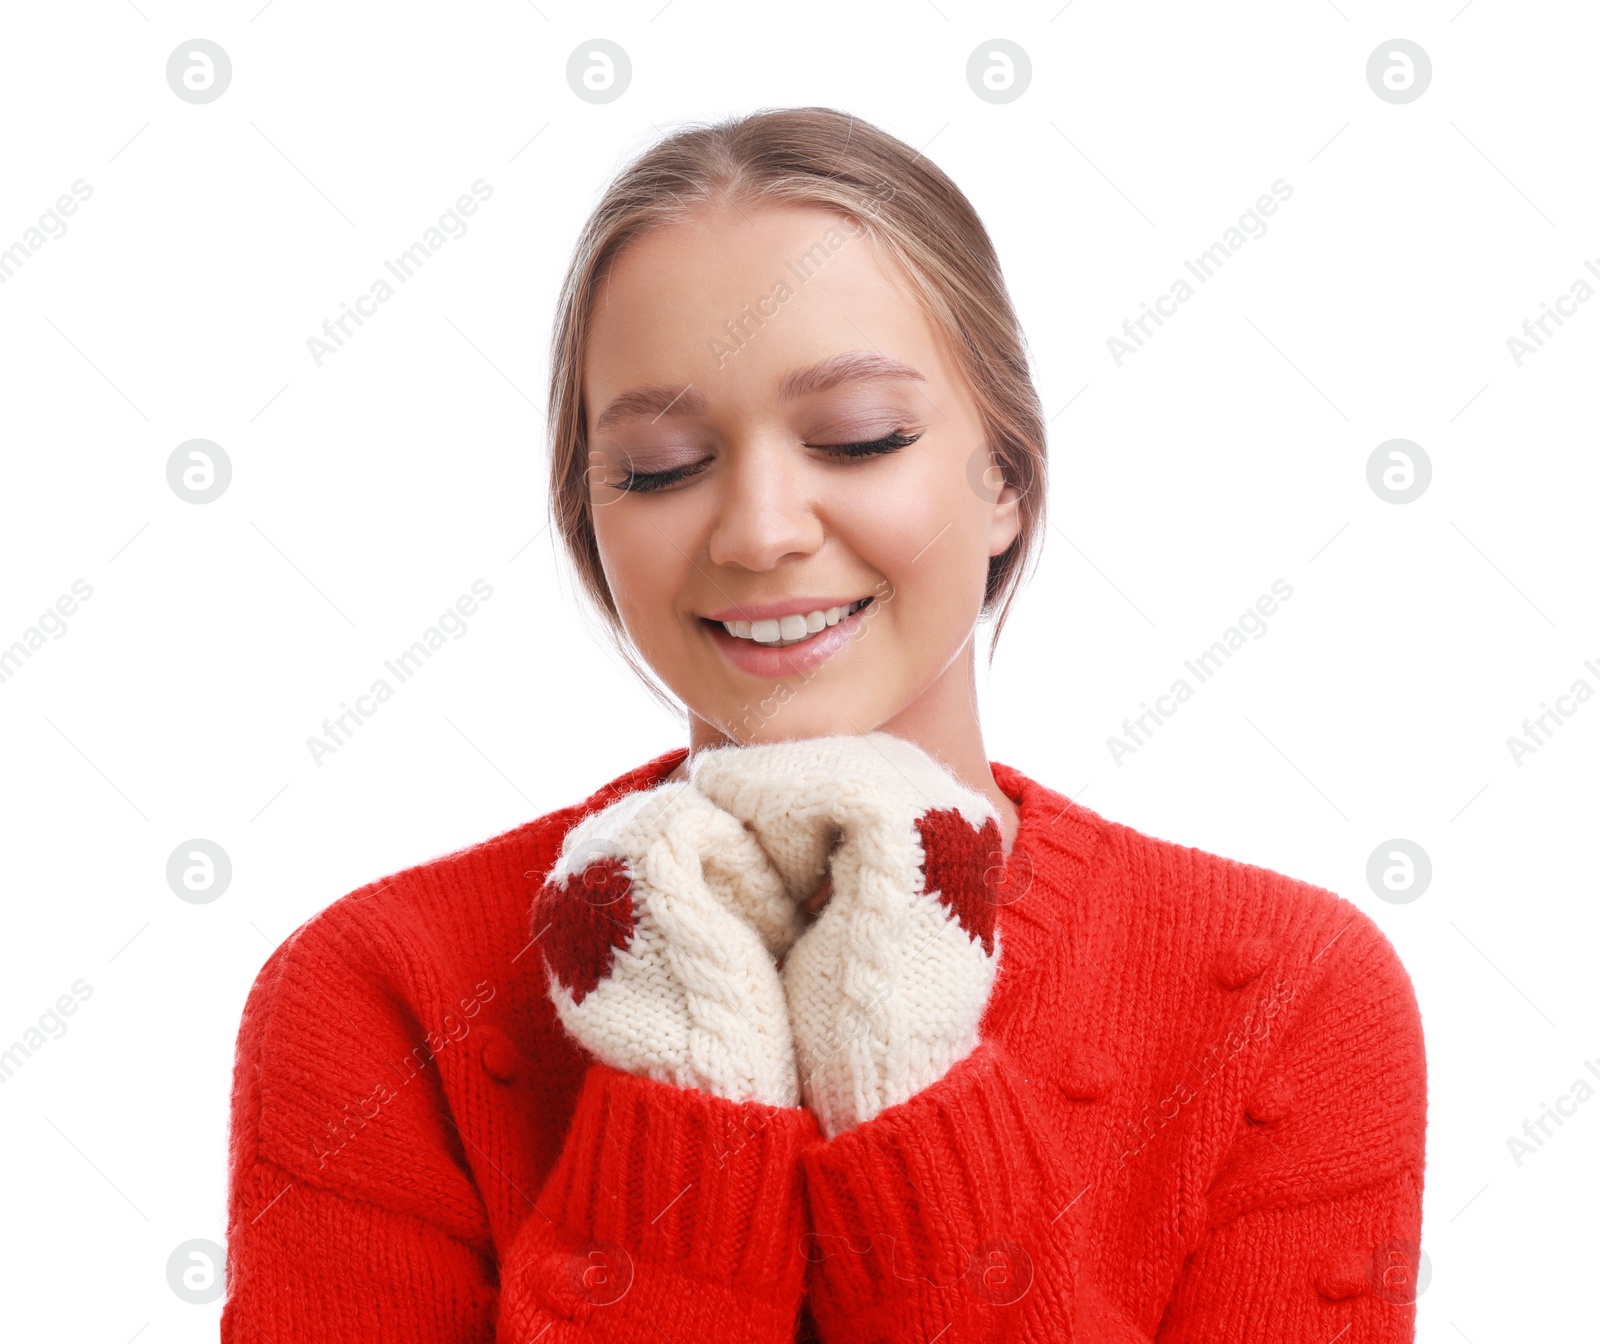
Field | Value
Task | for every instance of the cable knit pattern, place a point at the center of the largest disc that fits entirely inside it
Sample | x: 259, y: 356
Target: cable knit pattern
x: 659, y: 911
x: 886, y: 989
x: 1196, y: 1114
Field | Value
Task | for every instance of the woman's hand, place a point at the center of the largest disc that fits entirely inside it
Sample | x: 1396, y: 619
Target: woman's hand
x: 888, y: 984
x: 659, y: 925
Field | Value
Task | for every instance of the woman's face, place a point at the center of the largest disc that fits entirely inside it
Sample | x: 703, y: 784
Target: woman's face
x: 742, y: 354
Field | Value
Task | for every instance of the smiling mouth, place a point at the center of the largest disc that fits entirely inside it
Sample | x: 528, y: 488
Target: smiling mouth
x: 790, y: 630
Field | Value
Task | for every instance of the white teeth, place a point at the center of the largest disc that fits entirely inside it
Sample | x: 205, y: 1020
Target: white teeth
x: 791, y: 629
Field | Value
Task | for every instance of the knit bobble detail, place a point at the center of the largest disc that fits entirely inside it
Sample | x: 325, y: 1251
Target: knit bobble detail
x: 1089, y: 1073
x: 552, y: 1279
x: 1340, y: 1274
x: 1270, y: 1103
x: 1243, y: 961
x: 498, y: 1055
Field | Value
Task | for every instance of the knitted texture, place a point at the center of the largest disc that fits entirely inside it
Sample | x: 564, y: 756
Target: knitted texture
x: 1196, y: 1113
x: 655, y: 924
x: 887, y: 987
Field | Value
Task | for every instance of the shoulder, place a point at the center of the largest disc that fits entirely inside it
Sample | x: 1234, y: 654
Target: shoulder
x: 1224, y: 918
x: 346, y: 1030
x: 1175, y: 900
x: 1273, y: 1007
x: 1251, y: 921
x: 470, y: 893
x: 384, y: 931
x: 1298, y: 1014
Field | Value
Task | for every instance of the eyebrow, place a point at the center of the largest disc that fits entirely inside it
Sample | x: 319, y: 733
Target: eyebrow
x: 851, y: 366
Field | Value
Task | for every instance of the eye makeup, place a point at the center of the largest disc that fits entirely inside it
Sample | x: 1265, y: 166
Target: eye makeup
x: 644, y: 482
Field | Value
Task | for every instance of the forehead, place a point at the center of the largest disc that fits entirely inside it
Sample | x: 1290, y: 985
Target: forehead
x: 733, y: 301
x: 733, y: 252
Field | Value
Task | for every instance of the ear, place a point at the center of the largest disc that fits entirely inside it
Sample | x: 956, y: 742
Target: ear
x: 1006, y: 521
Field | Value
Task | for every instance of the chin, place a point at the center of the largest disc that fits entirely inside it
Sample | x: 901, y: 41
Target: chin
x: 820, y: 720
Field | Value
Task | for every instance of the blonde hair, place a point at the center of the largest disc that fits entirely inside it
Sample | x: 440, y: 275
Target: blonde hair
x: 813, y: 156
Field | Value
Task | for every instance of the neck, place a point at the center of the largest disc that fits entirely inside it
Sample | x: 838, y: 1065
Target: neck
x: 943, y: 721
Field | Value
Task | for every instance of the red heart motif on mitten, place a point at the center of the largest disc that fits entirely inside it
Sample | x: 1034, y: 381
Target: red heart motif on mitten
x: 583, y: 923
x: 963, y: 867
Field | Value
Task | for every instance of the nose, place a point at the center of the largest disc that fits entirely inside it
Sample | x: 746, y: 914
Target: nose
x: 764, y: 514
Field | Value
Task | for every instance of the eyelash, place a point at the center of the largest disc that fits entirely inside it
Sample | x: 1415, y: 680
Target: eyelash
x: 645, y: 482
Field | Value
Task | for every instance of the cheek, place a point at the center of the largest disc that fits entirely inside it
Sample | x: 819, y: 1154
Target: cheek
x: 638, y: 564
x: 926, y: 531
x: 647, y: 551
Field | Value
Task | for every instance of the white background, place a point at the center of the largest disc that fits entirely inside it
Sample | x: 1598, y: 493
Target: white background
x: 369, y: 493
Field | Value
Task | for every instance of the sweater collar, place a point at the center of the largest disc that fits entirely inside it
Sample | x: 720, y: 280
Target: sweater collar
x: 1057, y: 853
x: 1052, y: 859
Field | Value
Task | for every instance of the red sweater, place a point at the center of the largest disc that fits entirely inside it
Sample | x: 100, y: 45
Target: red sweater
x: 1197, y: 1114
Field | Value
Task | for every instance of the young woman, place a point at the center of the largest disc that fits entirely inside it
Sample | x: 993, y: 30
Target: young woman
x: 825, y: 1026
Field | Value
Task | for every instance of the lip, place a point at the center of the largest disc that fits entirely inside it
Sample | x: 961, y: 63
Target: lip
x: 761, y: 660
x: 776, y: 611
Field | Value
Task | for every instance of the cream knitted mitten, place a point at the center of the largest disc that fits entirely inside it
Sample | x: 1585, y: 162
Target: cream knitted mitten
x: 659, y: 925
x: 887, y: 987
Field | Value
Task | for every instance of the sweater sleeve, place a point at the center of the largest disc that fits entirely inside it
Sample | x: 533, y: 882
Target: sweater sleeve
x: 1314, y: 1223
x: 953, y: 1215
x: 666, y: 1208
x: 670, y: 1210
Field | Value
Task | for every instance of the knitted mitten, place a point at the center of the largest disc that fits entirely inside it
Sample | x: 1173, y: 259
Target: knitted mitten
x: 887, y: 987
x: 659, y: 924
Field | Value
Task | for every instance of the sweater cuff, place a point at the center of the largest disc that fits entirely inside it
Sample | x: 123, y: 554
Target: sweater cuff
x: 951, y: 1207
x: 671, y: 1200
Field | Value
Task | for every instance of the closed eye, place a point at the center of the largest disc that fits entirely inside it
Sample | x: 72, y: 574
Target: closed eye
x: 643, y: 482
x: 887, y: 444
